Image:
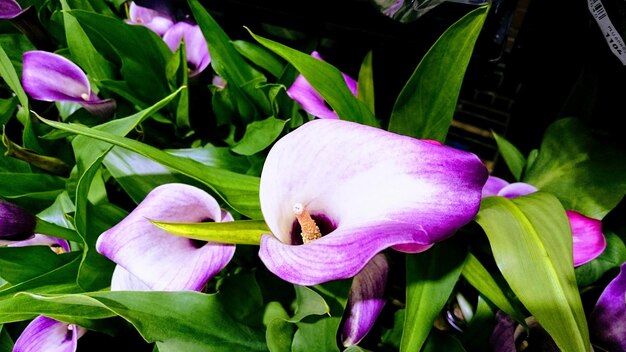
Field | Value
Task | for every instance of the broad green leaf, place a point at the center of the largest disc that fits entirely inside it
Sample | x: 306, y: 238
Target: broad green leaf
x: 18, y: 264
x: 259, y: 135
x: 439, y: 341
x: 233, y: 232
x: 239, y: 191
x: 35, y: 185
x: 365, y: 90
x: 308, y: 302
x: 260, y: 56
x: 176, y: 321
x: 7, y: 72
x: 54, y: 230
x: 426, y: 105
x: 531, y: 242
x: 230, y: 65
x: 513, y: 158
x: 586, y: 174
x: 279, y: 332
x: 242, y: 297
x: 479, y: 277
x: 430, y: 279
x: 83, y: 52
x: 393, y: 336
x: 6, y: 343
x: 317, y: 334
x: 326, y: 79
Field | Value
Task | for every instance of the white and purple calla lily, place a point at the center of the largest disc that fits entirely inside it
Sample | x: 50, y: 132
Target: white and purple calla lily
x: 311, y: 101
x: 156, y: 21
x: 365, y: 301
x: 196, y: 48
x: 9, y: 9
x: 149, y: 258
x: 46, y: 334
x: 51, y: 77
x: 587, y: 238
x: 349, y: 191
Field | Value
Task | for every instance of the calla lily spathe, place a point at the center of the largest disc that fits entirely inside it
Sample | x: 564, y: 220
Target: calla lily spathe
x: 44, y: 334
x: 159, y: 260
x: 311, y: 101
x: 156, y: 21
x: 51, y: 77
x: 9, y: 9
x: 588, y: 241
x: 16, y: 223
x: 607, y: 323
x: 368, y: 190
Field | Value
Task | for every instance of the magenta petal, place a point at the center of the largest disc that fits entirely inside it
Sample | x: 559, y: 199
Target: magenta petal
x: 51, y: 77
x: 10, y: 9
x: 365, y: 301
x: 517, y: 189
x: 588, y: 240
x: 379, y: 189
x: 159, y: 259
x: 196, y: 48
x: 607, y: 323
x: 45, y: 334
x: 156, y: 21
x: 493, y: 186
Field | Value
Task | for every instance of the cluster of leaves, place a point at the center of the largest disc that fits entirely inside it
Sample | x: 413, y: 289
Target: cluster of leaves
x: 169, y: 127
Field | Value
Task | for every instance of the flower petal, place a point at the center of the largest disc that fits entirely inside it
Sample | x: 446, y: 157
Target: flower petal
x: 493, y: 186
x: 588, y: 240
x: 51, y: 77
x: 161, y: 260
x: 43, y: 240
x: 10, y: 9
x: 16, y: 223
x: 157, y: 21
x: 311, y: 101
x: 607, y: 323
x: 517, y: 189
x: 365, y: 301
x: 122, y: 280
x: 45, y: 334
x: 380, y: 189
x: 196, y: 48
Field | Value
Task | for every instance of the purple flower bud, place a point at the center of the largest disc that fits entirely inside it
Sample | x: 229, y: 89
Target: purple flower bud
x: 16, y: 223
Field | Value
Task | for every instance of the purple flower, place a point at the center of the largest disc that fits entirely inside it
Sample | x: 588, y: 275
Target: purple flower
x: 156, y: 21
x: 9, y: 9
x: 46, y: 334
x: 196, y: 48
x: 16, y: 223
x: 51, y: 77
x: 349, y: 191
x: 149, y: 258
x: 587, y: 237
x: 607, y: 323
x: 311, y: 101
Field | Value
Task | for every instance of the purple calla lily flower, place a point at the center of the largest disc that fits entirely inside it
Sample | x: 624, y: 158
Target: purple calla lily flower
x: 607, y: 323
x: 51, y: 77
x: 46, y: 334
x: 9, y: 9
x: 16, y: 223
x: 587, y: 238
x: 311, y: 101
x: 159, y: 260
x: 365, y: 301
x: 157, y: 21
x: 196, y: 48
x: 349, y: 191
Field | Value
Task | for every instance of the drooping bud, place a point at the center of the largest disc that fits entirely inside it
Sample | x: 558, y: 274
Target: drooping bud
x: 16, y: 223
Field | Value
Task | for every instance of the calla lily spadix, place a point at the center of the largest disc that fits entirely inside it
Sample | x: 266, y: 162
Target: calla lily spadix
x: 311, y: 101
x: 49, y: 335
x: 159, y: 260
x: 366, y: 190
x: 587, y: 238
x: 51, y: 77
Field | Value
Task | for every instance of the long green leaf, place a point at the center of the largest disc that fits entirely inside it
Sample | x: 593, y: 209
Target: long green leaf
x: 532, y: 245
x: 431, y: 277
x: 240, y: 191
x: 512, y: 156
x: 7, y: 71
x: 233, y: 232
x: 326, y: 79
x: 426, y: 104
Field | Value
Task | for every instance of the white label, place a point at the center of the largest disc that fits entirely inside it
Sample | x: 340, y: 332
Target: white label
x: 613, y: 39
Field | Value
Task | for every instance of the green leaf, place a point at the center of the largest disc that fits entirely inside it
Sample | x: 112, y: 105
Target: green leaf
x: 326, y: 79
x: 233, y: 232
x: 83, y: 52
x: 6, y: 343
x: 532, y: 244
x: 7, y: 72
x: 365, y: 90
x: 426, y: 104
x: 479, y: 277
x: 317, y: 335
x: 279, y: 333
x: 239, y: 191
x: 513, y: 158
x: 439, y: 341
x: 431, y: 277
x: 260, y: 56
x: 612, y: 257
x: 308, y: 302
x: 586, y: 174
x: 18, y: 264
x: 259, y: 135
